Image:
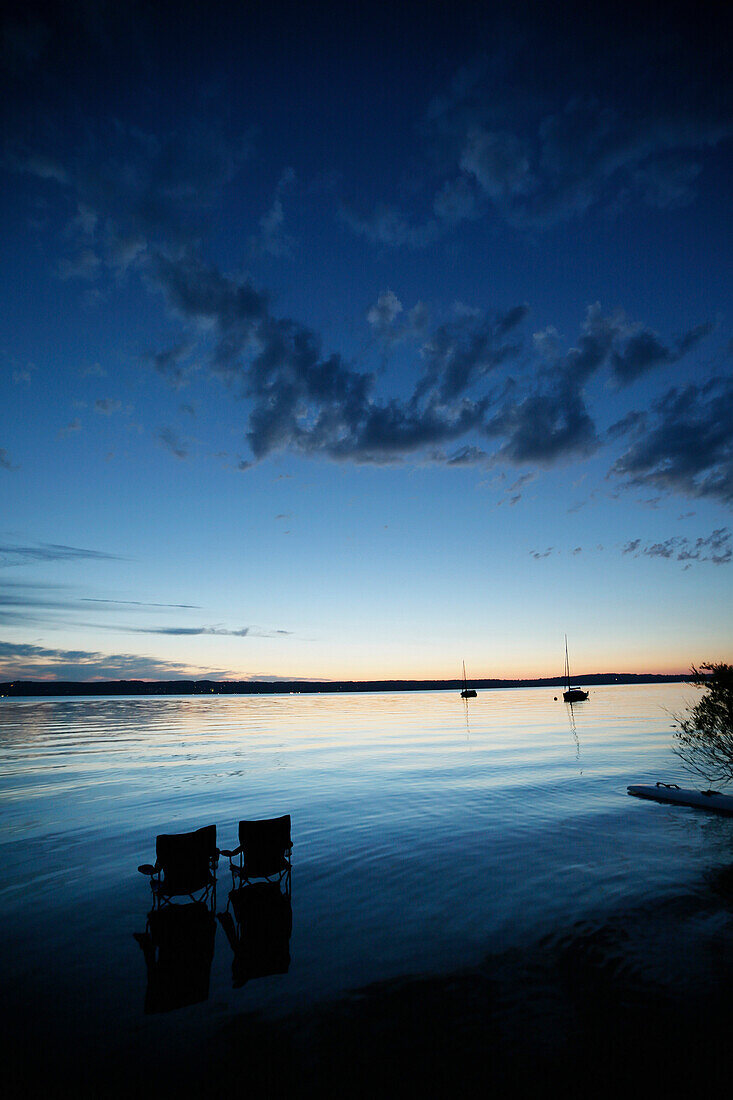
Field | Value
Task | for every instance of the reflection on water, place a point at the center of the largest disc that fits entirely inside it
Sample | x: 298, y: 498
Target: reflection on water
x: 258, y: 922
x: 178, y: 947
x: 436, y: 849
x: 574, y: 730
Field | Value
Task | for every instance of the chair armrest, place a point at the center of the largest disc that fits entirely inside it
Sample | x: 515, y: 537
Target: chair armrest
x: 230, y: 852
x: 147, y: 869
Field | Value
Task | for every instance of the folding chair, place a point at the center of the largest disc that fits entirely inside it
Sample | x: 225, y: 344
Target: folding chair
x: 184, y: 865
x: 263, y: 852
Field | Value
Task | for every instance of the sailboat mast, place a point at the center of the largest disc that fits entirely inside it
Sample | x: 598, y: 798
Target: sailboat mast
x: 464, y: 675
x: 567, y: 664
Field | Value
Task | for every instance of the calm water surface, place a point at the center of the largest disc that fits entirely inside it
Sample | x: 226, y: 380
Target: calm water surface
x: 428, y: 833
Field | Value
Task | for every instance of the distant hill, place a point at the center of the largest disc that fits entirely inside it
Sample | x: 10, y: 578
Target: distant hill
x: 26, y: 688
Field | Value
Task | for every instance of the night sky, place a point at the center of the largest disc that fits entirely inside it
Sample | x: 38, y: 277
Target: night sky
x: 344, y: 343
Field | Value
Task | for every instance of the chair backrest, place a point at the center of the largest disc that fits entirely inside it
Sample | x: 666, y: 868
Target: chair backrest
x: 185, y: 858
x: 264, y: 844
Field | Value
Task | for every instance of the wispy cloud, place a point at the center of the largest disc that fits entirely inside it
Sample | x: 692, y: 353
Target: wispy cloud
x: 716, y: 548
x: 272, y: 238
x: 32, y: 662
x: 173, y: 443
x: 195, y: 631
x: 46, y: 552
x: 137, y: 603
x: 685, y: 443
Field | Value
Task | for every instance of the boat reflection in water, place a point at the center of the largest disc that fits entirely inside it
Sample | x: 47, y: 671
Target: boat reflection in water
x: 257, y: 923
x: 178, y: 945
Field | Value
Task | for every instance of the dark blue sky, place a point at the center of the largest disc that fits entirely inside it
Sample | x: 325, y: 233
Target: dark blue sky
x: 315, y: 316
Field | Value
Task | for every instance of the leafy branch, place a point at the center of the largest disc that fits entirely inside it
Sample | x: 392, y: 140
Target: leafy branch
x: 704, y: 739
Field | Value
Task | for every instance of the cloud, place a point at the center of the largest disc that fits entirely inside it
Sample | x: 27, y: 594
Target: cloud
x: 463, y: 351
x: 546, y: 428
x: 23, y: 601
x: 272, y: 238
x: 5, y: 460
x: 173, y: 443
x: 302, y: 400
x: 136, y: 191
x: 107, y: 406
x: 468, y: 456
x: 175, y: 363
x: 499, y: 162
x: 389, y: 226
x: 716, y: 548
x: 47, y: 552
x: 533, y: 134
x: 382, y: 315
x: 32, y: 662
x: 196, y: 631
x: 70, y: 429
x: 643, y: 350
x: 137, y: 603
x: 687, y: 447
x: 93, y: 370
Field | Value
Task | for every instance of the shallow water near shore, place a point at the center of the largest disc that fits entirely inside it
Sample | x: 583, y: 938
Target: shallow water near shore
x: 430, y: 835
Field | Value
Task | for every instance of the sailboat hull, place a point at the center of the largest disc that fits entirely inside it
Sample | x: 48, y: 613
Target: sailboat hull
x: 574, y: 695
x: 468, y: 693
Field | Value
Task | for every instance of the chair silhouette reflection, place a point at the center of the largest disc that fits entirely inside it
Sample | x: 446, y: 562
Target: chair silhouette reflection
x: 257, y: 923
x: 178, y: 945
x: 258, y: 919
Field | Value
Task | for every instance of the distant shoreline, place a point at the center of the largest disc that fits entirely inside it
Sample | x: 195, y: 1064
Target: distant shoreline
x: 25, y: 688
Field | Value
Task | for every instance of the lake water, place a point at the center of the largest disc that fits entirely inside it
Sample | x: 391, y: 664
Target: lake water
x: 438, y: 845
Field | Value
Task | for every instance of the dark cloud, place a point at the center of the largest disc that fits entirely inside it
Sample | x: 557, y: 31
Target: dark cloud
x: 303, y: 400
x: 32, y: 662
x: 463, y: 351
x: 468, y: 456
x: 106, y: 406
x: 21, y: 555
x: 688, y: 447
x: 584, y: 155
x: 545, y: 125
x: 134, y: 191
x: 70, y: 429
x: 546, y: 428
x: 716, y: 548
x: 5, y: 461
x: 141, y: 202
x: 23, y: 601
x: 138, y: 603
x: 195, y: 631
x: 173, y: 443
x: 643, y: 350
x: 175, y: 363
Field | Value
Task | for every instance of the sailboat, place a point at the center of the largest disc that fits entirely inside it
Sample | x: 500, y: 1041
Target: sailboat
x: 571, y: 694
x: 467, y: 693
